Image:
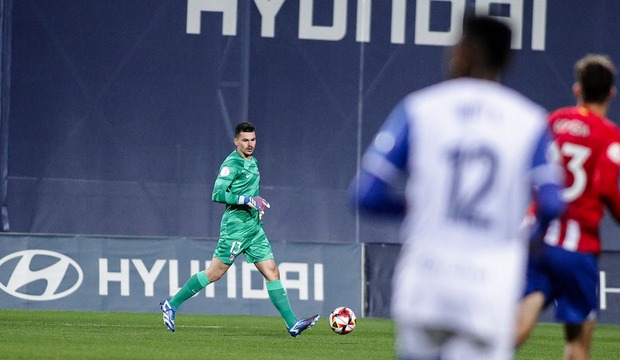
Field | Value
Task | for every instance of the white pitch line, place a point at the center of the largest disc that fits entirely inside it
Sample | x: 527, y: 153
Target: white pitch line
x: 110, y: 325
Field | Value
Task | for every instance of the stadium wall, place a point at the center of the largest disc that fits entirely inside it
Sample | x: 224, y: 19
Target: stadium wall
x: 122, y: 111
x: 125, y: 274
x: 380, y: 267
x: 133, y: 274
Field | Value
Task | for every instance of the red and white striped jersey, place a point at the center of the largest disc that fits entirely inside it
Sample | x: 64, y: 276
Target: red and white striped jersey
x: 590, y: 150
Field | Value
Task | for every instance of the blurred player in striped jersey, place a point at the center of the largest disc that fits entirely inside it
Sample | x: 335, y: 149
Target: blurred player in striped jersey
x: 565, y: 270
x: 474, y: 152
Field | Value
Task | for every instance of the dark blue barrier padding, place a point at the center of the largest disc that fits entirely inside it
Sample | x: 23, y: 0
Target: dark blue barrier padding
x: 120, y: 118
x: 381, y: 258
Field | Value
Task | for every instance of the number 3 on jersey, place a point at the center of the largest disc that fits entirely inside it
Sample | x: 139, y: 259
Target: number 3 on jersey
x: 578, y: 156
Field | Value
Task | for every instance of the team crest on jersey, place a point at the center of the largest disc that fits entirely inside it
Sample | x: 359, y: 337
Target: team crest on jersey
x: 225, y: 171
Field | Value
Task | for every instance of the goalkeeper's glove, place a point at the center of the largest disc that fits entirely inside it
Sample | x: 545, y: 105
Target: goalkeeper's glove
x: 255, y: 202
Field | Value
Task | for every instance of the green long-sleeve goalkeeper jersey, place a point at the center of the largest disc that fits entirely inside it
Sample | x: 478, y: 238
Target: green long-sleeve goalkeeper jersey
x: 237, y: 177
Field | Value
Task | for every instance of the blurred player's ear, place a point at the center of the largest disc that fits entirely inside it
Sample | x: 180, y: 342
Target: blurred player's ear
x: 459, y: 61
x: 612, y: 92
x: 577, y: 90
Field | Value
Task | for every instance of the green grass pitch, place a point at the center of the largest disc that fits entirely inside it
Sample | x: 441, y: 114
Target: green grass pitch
x: 29, y: 334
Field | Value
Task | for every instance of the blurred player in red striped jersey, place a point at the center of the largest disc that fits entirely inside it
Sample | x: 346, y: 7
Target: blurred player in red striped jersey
x: 565, y: 270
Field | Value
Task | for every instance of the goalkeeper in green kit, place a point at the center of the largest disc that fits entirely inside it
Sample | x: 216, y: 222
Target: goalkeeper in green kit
x: 241, y: 232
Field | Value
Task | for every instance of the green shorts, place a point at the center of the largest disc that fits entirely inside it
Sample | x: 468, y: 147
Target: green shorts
x: 254, y: 248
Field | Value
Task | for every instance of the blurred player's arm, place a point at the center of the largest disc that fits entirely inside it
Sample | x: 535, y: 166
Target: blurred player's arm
x: 606, y: 179
x: 547, y: 183
x: 372, y: 190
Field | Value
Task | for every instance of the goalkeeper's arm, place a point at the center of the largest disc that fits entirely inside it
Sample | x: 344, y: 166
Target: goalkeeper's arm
x: 222, y: 194
x: 255, y: 202
x: 221, y: 188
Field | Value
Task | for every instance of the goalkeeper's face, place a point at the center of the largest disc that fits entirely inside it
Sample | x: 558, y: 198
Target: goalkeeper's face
x: 245, y: 143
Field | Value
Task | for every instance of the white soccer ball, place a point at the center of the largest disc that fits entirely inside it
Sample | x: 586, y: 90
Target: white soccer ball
x: 342, y: 320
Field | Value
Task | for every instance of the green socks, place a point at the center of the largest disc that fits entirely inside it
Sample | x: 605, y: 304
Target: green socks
x: 278, y: 297
x: 193, y: 285
x: 276, y: 291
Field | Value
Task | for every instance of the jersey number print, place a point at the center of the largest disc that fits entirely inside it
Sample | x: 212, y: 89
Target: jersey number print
x: 473, y: 176
x: 578, y: 156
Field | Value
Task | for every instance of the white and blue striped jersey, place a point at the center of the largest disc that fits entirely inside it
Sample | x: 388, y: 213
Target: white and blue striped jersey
x: 474, y: 152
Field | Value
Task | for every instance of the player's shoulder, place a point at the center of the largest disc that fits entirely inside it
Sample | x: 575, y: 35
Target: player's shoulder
x: 611, y: 125
x: 565, y: 111
x: 569, y: 117
x: 580, y: 113
x: 455, y: 90
x: 452, y: 97
x: 233, y: 160
x: 614, y: 134
x: 509, y: 97
x: 576, y: 118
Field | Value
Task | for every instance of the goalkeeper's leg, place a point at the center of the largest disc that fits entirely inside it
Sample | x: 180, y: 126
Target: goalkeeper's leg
x: 278, y: 297
x: 192, y: 286
x: 277, y: 293
x: 199, y: 281
x: 169, y: 306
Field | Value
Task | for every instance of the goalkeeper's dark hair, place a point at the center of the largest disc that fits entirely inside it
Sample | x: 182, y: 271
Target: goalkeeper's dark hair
x: 595, y: 74
x: 244, y: 127
x: 491, y: 38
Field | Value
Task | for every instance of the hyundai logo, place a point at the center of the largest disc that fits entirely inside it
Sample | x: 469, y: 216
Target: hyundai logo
x: 38, y: 275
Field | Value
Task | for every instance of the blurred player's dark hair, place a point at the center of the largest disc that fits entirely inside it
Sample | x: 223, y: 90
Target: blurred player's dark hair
x: 595, y: 74
x: 491, y: 37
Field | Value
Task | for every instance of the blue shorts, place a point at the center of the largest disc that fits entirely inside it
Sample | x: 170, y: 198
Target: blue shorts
x: 569, y: 279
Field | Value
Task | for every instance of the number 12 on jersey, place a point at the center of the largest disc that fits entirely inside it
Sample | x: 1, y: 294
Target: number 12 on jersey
x: 473, y: 176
